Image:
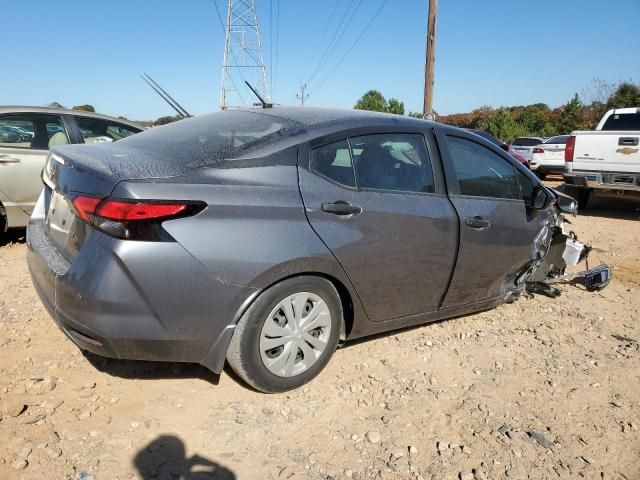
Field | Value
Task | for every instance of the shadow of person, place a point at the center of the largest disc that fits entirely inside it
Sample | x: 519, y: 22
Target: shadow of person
x: 165, y: 459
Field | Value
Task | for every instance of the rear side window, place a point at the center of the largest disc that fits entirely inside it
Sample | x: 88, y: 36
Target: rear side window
x: 334, y: 162
x: 32, y: 131
x: 95, y: 130
x: 396, y: 162
x: 623, y: 122
x: 526, y: 142
x: 560, y: 139
x: 481, y: 172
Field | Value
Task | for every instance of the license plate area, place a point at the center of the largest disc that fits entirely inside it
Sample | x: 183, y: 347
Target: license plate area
x: 59, y: 219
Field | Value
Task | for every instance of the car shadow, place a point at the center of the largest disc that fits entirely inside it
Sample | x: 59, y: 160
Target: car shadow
x: 143, y: 370
x: 165, y: 458
x: 14, y: 235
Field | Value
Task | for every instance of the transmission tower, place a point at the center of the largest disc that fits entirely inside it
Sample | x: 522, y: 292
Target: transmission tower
x: 243, y: 60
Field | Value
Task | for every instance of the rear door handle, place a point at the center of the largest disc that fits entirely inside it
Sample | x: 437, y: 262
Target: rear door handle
x: 477, y: 222
x: 341, y: 208
x: 8, y: 159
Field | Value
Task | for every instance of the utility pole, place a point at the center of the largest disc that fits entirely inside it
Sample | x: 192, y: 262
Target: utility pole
x: 427, y: 108
x: 301, y: 96
x: 243, y: 60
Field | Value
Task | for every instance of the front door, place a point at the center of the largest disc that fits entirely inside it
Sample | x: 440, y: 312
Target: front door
x: 373, y: 202
x: 497, y: 228
x: 22, y: 157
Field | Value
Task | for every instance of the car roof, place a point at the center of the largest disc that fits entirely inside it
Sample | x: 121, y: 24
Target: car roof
x: 321, y: 118
x: 64, y: 111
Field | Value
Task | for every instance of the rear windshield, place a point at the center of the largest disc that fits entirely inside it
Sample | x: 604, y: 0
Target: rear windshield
x: 207, y: 139
x: 559, y: 139
x: 526, y: 142
x: 622, y: 121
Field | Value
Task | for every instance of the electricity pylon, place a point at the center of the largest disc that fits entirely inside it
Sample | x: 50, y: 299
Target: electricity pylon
x: 243, y: 60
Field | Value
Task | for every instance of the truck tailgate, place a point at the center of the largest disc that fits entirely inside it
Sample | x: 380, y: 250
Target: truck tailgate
x: 607, y: 151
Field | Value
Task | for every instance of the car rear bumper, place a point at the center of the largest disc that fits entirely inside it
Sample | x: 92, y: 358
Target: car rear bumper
x: 604, y: 180
x: 135, y: 300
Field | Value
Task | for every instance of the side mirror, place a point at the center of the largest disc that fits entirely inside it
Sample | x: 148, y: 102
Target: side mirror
x: 541, y: 198
x: 505, y: 146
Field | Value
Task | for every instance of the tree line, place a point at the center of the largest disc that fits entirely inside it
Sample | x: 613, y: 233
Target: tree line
x: 581, y: 112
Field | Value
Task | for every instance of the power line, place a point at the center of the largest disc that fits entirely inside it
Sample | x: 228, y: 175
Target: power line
x: 352, y: 46
x: 330, y: 44
x: 324, y: 32
x: 215, y: 3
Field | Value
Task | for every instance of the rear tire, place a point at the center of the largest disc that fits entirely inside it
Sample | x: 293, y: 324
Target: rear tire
x: 580, y: 195
x: 287, y: 336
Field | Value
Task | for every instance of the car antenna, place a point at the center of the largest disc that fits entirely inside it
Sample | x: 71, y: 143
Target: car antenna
x: 262, y: 101
x: 165, y: 96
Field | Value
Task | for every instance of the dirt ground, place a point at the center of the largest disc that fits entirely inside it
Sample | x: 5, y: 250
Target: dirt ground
x: 541, y: 388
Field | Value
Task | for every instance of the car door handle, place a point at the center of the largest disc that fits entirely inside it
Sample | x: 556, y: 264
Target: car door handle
x: 477, y: 222
x: 341, y: 208
x: 8, y: 159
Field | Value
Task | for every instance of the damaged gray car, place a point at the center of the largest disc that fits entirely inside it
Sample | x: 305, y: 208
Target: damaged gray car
x: 265, y: 237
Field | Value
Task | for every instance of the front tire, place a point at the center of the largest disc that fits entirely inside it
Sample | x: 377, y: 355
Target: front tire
x: 287, y: 336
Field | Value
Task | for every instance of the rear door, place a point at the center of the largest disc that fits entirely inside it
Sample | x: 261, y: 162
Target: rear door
x: 497, y: 229
x: 376, y: 203
x: 22, y: 159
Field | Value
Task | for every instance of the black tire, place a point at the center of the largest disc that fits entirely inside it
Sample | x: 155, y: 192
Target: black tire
x: 243, y: 354
x: 580, y: 195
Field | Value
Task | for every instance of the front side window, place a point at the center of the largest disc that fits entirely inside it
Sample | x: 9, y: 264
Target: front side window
x: 32, y: 131
x: 481, y: 172
x: 393, y: 161
x: 94, y: 130
x: 334, y: 162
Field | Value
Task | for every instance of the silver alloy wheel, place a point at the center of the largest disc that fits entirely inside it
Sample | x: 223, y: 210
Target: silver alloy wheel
x: 295, y: 334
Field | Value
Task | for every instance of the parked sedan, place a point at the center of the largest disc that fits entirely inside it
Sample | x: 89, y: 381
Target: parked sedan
x: 524, y: 145
x: 266, y: 236
x: 549, y: 156
x: 26, y: 134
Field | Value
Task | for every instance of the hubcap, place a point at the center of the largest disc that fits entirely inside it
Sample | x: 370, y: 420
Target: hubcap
x: 295, y: 334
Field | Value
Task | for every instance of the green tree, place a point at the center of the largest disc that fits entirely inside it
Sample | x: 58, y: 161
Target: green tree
x: 415, y: 114
x: 85, y: 108
x: 626, y: 95
x: 55, y: 105
x: 572, y: 116
x: 395, y: 106
x: 502, y: 125
x: 167, y: 119
x: 373, y: 100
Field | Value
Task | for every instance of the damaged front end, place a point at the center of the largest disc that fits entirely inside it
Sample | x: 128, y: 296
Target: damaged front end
x: 554, y: 249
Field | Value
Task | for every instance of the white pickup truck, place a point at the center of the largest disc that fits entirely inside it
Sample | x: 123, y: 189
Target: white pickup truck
x: 605, y: 160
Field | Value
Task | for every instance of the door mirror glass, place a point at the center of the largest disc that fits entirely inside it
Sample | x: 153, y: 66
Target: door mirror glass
x: 542, y: 198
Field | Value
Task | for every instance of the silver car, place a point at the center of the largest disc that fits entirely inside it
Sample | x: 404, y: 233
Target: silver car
x: 26, y: 135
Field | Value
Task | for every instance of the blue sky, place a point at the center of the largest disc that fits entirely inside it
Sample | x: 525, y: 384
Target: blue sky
x: 492, y: 52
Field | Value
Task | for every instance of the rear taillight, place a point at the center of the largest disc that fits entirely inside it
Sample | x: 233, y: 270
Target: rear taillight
x: 538, y: 150
x: 569, y: 148
x: 132, y: 219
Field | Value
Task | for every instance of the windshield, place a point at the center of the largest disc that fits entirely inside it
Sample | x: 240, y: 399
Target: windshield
x: 559, y: 139
x: 622, y: 122
x: 526, y: 142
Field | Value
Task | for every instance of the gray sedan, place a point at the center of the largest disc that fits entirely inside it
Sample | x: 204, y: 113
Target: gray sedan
x: 265, y: 237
